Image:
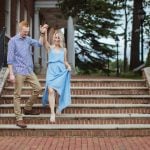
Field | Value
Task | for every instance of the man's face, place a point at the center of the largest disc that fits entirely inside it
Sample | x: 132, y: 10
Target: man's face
x: 24, y: 31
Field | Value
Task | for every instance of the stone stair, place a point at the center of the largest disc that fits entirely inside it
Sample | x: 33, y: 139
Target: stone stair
x: 100, y: 107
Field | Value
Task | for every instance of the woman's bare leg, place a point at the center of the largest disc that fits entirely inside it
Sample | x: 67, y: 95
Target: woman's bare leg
x: 57, y: 103
x: 51, y: 98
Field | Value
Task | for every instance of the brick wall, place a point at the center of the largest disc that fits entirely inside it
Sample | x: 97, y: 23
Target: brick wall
x: 13, y: 17
x: 2, y: 14
x: 24, y: 4
x: 29, y: 5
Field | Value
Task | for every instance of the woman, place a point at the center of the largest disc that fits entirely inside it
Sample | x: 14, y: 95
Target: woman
x: 58, y: 75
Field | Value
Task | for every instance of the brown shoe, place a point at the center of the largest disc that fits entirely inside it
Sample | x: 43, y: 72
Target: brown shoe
x: 20, y: 123
x: 30, y: 112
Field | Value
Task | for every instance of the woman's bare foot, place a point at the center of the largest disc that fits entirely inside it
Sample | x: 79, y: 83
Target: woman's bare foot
x: 52, y: 118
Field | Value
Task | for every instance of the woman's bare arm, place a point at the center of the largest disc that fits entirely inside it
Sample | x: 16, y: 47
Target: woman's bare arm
x: 65, y: 60
x: 43, y: 30
x: 46, y: 43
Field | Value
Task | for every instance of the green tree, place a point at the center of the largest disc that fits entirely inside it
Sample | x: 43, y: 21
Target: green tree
x: 95, y: 20
x: 132, y: 14
x: 135, y: 49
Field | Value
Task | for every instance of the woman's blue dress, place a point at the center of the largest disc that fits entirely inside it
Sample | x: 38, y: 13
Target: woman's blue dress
x: 57, y: 78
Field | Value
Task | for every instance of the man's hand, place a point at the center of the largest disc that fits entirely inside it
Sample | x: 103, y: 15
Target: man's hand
x: 45, y: 26
x: 12, y: 78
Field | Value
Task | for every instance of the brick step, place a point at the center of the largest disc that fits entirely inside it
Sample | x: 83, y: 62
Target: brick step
x: 90, y: 99
x: 87, y: 100
x: 99, y: 83
x: 64, y: 130
x: 80, y: 119
x: 88, y: 108
x: 92, y: 90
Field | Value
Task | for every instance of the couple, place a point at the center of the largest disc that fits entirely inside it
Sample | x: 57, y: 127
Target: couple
x: 20, y: 64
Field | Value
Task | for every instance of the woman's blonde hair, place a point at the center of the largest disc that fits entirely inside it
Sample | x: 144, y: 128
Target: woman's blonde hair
x: 61, y: 36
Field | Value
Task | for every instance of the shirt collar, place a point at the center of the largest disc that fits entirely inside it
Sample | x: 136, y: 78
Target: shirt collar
x: 19, y: 37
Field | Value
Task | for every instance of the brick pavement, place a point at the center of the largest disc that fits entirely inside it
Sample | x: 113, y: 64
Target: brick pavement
x: 74, y: 143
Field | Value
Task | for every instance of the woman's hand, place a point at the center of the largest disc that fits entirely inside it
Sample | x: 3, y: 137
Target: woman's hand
x: 43, y: 29
x: 69, y: 68
x: 45, y: 26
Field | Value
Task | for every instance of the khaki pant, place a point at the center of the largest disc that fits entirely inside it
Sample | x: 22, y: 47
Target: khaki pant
x: 36, y: 89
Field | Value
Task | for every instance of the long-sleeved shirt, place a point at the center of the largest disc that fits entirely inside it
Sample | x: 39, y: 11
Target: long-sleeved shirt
x: 20, y: 54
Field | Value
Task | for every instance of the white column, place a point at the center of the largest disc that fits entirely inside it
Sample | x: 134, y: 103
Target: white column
x: 44, y: 61
x: 36, y: 36
x: 70, y: 44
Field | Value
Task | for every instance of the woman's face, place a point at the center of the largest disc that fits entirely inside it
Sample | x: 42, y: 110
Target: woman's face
x: 57, y: 39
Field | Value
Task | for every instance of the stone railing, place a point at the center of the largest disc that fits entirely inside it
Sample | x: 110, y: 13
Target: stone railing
x: 3, y: 76
x: 2, y: 48
x: 146, y: 76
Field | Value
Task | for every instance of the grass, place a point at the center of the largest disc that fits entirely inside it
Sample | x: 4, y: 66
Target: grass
x: 131, y: 75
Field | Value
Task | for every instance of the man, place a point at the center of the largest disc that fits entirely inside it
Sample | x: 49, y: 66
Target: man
x: 20, y: 66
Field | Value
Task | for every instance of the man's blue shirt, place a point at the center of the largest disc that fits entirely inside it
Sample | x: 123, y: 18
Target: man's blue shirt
x: 20, y: 54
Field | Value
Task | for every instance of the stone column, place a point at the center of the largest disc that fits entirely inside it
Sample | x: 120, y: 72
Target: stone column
x: 36, y: 36
x: 44, y: 60
x: 70, y: 44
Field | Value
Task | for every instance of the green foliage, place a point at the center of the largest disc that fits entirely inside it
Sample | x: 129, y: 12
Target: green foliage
x: 94, y: 19
x: 147, y: 19
x: 71, y: 7
x: 147, y: 64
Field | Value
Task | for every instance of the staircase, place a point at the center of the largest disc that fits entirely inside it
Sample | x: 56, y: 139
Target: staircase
x: 100, y: 107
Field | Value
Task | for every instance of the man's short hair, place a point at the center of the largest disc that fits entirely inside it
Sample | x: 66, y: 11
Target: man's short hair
x: 23, y: 24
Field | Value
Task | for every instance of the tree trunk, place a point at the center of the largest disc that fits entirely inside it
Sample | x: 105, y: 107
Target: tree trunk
x: 135, y: 54
x: 125, y: 37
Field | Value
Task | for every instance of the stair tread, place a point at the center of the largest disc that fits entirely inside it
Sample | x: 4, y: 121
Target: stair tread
x: 89, y: 105
x: 100, y: 79
x: 85, y: 87
x: 83, y: 115
x: 77, y: 126
x: 89, y: 96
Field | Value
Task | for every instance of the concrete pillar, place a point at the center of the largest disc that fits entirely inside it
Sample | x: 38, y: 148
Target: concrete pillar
x: 44, y: 60
x: 70, y: 44
x: 36, y: 36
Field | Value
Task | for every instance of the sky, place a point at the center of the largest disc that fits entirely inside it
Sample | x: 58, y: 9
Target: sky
x: 121, y: 42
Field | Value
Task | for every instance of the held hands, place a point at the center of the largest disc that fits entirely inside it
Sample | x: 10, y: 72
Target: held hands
x: 43, y: 29
x: 45, y: 26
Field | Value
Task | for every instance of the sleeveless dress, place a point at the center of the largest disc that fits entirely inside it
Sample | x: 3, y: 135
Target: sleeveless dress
x: 57, y: 78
